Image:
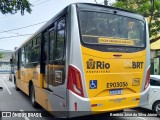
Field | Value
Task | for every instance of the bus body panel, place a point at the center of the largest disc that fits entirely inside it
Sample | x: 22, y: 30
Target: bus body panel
x: 75, y: 56
x: 83, y: 105
x: 124, y: 71
x: 145, y: 94
x: 118, y: 71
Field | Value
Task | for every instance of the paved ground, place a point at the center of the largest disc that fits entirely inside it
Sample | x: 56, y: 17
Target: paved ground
x: 12, y: 100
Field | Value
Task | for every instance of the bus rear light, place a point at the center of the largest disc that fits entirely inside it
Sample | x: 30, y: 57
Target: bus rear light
x: 75, y: 81
x: 147, y: 79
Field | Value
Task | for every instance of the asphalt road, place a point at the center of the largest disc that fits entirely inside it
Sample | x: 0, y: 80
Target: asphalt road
x: 12, y: 100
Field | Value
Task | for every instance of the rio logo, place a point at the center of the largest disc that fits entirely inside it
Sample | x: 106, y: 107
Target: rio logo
x: 91, y: 64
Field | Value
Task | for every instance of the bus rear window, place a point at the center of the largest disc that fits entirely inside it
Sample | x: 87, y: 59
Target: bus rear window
x: 111, y: 29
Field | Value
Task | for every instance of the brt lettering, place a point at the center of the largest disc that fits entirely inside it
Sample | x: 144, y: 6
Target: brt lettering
x: 137, y: 65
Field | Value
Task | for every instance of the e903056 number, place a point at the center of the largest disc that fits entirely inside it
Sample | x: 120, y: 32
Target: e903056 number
x: 117, y: 84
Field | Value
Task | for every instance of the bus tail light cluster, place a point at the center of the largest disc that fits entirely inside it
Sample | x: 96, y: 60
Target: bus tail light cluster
x: 75, y: 81
x: 147, y: 82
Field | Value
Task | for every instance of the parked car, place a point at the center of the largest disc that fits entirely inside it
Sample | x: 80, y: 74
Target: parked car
x: 154, y: 94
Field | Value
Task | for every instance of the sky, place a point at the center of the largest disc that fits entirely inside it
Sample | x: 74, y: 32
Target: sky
x: 42, y: 10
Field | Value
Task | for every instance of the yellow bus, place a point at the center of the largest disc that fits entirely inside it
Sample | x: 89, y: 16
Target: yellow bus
x: 88, y: 57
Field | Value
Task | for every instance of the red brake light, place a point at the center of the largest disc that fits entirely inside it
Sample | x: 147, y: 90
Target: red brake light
x: 75, y: 81
x: 147, y: 79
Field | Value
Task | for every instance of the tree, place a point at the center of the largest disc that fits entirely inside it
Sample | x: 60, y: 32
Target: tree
x: 12, y: 6
x: 1, y: 55
x: 149, y: 9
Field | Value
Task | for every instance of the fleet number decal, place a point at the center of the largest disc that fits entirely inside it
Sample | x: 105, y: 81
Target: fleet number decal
x: 117, y: 84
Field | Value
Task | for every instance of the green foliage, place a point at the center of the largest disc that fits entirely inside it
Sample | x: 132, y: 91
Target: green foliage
x: 148, y: 8
x: 12, y: 6
x: 1, y: 55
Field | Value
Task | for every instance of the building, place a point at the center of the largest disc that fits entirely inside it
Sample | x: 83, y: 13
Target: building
x: 5, y: 60
x: 155, y: 57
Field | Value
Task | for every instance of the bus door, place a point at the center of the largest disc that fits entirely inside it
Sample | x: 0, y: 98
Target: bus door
x: 54, y: 63
x: 44, y: 68
x: 18, y: 63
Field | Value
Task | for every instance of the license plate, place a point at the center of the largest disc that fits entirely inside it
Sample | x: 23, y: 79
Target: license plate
x: 116, y: 92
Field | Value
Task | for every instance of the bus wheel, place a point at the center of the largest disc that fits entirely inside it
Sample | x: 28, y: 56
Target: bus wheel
x: 17, y: 89
x: 32, y: 97
x: 156, y: 107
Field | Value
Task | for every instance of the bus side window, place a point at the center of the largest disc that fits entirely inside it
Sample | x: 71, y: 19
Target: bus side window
x: 59, y: 50
x: 51, y: 44
x: 35, y: 51
x: 45, y: 47
x: 22, y: 57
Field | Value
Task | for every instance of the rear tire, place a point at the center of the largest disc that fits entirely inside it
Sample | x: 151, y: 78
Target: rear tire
x: 156, y: 107
x: 15, y: 83
x: 32, y: 97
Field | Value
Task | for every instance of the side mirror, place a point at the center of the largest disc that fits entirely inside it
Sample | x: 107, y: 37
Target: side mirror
x: 10, y: 61
x: 1, y: 88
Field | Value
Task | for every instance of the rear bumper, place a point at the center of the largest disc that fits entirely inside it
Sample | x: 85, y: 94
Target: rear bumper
x: 144, y: 99
x: 88, y: 106
x: 83, y: 105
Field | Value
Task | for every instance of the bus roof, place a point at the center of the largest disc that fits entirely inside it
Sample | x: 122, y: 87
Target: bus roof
x: 104, y: 6
x: 88, y: 6
x: 45, y: 26
x: 110, y: 9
